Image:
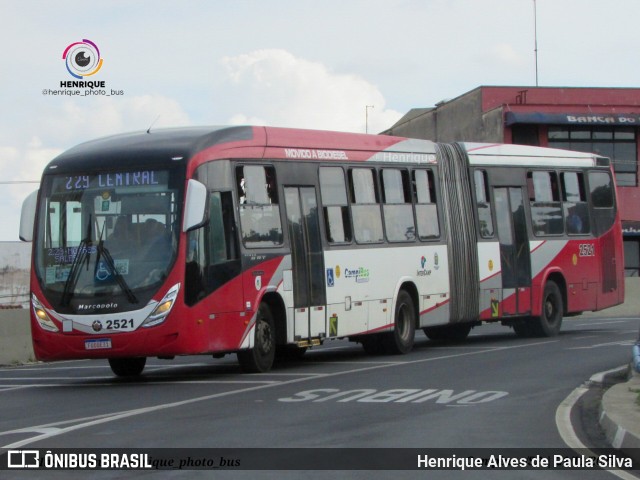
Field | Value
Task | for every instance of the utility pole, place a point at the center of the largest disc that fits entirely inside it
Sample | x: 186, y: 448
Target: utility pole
x: 366, y: 118
x: 535, y: 37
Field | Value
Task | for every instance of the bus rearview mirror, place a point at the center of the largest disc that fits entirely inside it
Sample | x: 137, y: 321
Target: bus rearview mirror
x: 195, y: 208
x: 28, y: 217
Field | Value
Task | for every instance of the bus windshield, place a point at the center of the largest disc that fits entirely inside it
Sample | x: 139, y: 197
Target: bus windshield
x: 106, y: 234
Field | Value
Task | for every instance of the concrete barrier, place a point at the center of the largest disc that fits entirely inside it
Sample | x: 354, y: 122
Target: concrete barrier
x: 15, y: 337
x: 15, y: 332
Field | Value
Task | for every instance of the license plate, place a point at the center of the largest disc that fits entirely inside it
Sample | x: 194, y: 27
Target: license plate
x: 97, y: 344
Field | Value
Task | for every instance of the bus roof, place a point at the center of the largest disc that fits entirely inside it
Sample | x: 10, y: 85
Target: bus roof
x: 199, y: 144
x: 525, y: 155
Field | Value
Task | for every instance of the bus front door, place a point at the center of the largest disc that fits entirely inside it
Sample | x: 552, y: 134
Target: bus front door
x: 515, y: 255
x: 309, y: 294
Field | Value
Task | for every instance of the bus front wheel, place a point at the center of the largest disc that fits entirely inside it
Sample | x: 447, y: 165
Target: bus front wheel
x: 259, y: 359
x: 127, y: 367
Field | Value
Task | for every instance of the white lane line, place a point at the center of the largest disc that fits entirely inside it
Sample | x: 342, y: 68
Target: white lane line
x: 112, y: 381
x: 92, y: 421
x: 8, y: 388
x: 276, y: 374
x: 350, y: 362
x: 568, y: 434
x: 49, y: 367
x: 625, y: 343
x: 611, y: 322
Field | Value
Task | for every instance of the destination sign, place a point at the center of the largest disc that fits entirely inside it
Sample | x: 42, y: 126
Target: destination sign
x: 139, y: 178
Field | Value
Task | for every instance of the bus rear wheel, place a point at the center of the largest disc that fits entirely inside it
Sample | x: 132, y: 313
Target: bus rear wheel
x: 373, y: 344
x: 127, y: 367
x: 259, y: 359
x: 525, y: 327
x: 550, y: 320
x: 400, y: 341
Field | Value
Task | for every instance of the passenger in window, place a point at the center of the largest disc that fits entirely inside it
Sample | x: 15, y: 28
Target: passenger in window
x: 122, y: 229
x: 157, y: 239
x: 270, y: 186
x: 243, y: 191
x: 574, y: 222
x: 119, y: 242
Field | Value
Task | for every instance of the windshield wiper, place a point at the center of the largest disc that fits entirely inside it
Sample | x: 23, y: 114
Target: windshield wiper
x: 122, y: 283
x: 74, y: 273
x: 111, y: 265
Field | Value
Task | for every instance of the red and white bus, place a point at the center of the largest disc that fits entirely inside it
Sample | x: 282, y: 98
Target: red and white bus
x: 255, y: 240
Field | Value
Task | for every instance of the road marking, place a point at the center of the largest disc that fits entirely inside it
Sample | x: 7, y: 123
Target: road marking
x: 395, y: 395
x: 8, y: 388
x: 99, y: 367
x: 115, y: 416
x: 112, y: 381
x: 626, y: 343
x: 590, y: 324
x: 350, y: 362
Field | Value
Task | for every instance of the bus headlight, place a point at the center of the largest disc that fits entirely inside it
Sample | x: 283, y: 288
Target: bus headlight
x: 159, y: 314
x: 42, y: 316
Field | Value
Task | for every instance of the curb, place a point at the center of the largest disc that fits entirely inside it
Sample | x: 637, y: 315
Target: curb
x: 620, y: 415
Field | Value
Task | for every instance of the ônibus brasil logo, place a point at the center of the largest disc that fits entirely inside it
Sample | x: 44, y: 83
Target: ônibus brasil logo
x: 82, y: 59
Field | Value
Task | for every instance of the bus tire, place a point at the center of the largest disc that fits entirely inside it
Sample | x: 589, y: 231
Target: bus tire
x: 400, y: 341
x: 550, y: 320
x: 373, y: 344
x: 127, y: 367
x: 259, y: 359
x: 525, y: 327
x: 290, y: 352
x: 453, y: 333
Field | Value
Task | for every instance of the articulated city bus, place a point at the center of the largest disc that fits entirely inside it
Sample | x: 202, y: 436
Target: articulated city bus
x: 259, y: 240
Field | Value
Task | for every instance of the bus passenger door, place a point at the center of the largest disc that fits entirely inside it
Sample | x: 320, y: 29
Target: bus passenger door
x: 515, y: 256
x: 309, y: 294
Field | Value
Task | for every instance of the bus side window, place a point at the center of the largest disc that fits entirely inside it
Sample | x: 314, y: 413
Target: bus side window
x: 365, y: 209
x: 259, y: 209
x: 483, y: 204
x: 574, y: 203
x: 333, y: 191
x: 397, y: 209
x: 544, y: 200
x: 424, y: 197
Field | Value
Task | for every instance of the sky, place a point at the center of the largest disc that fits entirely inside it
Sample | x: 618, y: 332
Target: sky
x: 292, y: 63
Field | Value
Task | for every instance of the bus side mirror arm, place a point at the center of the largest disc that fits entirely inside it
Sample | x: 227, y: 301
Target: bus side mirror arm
x: 28, y: 217
x: 195, y: 206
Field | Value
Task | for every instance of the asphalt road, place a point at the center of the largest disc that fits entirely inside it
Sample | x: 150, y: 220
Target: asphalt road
x: 494, y: 390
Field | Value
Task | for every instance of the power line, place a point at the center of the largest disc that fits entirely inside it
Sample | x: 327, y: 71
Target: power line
x: 18, y: 182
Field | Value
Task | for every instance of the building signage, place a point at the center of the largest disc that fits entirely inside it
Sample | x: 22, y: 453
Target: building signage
x: 630, y: 227
x: 573, y: 118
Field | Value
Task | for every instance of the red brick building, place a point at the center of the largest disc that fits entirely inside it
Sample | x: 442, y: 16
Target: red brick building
x: 601, y: 120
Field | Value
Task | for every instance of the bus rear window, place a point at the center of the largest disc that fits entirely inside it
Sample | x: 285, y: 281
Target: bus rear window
x: 601, y: 189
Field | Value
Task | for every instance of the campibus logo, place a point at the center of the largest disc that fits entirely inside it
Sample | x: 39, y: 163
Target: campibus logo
x: 82, y: 59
